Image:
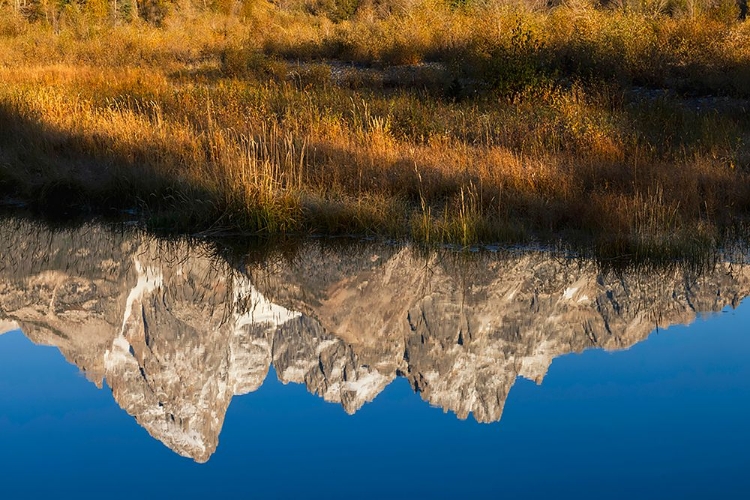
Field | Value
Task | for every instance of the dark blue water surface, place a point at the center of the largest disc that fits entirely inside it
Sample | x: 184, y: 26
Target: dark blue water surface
x: 667, y: 418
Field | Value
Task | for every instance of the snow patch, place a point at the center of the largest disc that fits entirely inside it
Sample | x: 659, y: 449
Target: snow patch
x: 293, y: 374
x: 371, y: 383
x: 261, y: 310
x: 149, y: 279
x: 324, y: 345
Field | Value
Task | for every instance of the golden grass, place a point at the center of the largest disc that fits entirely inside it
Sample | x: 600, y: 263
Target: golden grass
x: 529, y: 127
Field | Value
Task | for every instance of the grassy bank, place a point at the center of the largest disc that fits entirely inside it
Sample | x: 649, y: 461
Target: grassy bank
x: 433, y: 120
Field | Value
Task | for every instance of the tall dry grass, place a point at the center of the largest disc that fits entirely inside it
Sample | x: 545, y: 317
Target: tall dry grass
x: 529, y: 122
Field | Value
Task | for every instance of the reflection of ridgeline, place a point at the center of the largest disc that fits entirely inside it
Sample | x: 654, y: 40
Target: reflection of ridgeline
x: 177, y: 333
x: 461, y: 333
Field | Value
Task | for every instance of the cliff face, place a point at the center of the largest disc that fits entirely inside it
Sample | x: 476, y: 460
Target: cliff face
x: 461, y: 332
x: 176, y: 332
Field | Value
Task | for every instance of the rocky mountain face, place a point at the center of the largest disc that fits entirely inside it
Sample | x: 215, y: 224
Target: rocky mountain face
x: 176, y: 332
x: 462, y: 331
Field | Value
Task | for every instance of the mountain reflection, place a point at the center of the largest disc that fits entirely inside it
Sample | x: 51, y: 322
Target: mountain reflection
x: 176, y: 332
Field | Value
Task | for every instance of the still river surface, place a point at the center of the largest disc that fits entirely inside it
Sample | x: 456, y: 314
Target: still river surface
x: 137, y: 368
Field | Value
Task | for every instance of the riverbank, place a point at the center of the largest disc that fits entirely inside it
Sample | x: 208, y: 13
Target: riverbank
x: 434, y: 122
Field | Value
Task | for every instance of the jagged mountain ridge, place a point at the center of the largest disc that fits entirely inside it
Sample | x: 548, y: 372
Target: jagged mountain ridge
x: 177, y: 332
x: 461, y: 332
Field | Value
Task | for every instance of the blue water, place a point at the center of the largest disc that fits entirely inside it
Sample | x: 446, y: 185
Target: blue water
x: 668, y: 418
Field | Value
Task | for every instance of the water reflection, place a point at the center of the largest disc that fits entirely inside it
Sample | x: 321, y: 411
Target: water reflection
x: 176, y: 332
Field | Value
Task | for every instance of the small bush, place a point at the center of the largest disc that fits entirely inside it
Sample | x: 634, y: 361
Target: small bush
x: 154, y: 11
x: 247, y: 62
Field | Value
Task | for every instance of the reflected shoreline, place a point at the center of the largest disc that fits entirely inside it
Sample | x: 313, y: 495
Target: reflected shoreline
x: 176, y: 331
